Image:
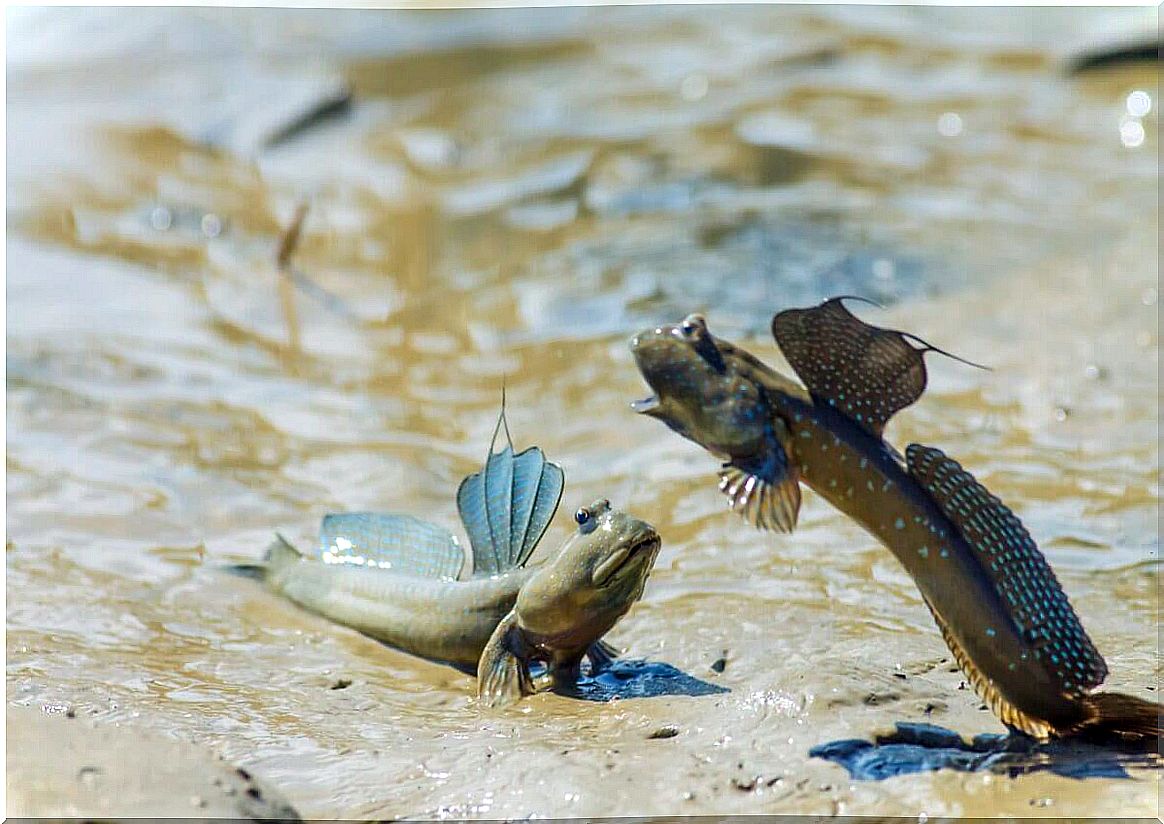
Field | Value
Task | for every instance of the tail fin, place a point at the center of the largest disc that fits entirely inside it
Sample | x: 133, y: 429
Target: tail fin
x: 279, y: 554
x: 1123, y: 719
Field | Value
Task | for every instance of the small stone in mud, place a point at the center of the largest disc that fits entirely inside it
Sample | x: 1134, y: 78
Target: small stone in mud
x: 197, y: 801
x: 745, y: 784
x: 70, y: 713
x: 900, y: 675
x: 1041, y: 802
x: 718, y: 665
x: 341, y: 684
x: 88, y: 775
x: 254, y: 793
x: 689, y: 796
x: 668, y: 731
x: 243, y: 774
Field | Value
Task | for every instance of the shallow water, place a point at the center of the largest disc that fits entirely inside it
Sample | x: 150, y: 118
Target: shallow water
x: 509, y: 197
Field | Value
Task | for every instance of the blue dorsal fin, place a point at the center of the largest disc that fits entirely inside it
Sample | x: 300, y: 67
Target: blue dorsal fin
x: 507, y: 506
x: 400, y: 543
x: 537, y: 489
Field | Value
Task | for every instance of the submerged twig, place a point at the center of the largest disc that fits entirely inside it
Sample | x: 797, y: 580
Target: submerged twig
x: 287, y: 244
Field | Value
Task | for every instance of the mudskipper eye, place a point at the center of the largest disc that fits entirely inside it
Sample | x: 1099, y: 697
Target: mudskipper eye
x: 692, y: 326
x: 582, y: 516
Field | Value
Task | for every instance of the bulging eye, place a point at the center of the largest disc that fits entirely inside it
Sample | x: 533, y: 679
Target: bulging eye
x: 582, y: 516
x: 692, y: 326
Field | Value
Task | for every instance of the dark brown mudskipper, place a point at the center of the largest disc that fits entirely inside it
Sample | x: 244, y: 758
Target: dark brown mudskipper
x: 995, y: 599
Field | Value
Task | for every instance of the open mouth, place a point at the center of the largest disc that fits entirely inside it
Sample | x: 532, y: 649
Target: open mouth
x: 626, y: 561
x: 647, y: 544
x: 647, y: 404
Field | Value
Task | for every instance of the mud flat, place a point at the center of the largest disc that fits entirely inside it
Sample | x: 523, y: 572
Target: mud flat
x: 61, y: 766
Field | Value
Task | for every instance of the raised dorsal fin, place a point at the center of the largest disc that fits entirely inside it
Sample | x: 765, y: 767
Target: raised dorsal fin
x: 400, y: 543
x: 1007, y: 553
x: 507, y: 506
x: 864, y: 372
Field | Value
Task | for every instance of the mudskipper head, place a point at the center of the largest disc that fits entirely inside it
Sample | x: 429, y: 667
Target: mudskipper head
x: 700, y: 390
x: 597, y: 575
x: 719, y: 396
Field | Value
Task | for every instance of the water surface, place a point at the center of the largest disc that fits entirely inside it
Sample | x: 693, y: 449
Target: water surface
x: 509, y: 196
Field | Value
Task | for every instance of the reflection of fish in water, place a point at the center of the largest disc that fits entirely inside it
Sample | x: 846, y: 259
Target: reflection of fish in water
x: 996, y: 601
x: 396, y: 578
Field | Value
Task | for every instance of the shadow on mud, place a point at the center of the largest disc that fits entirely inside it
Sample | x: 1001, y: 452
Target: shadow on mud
x: 914, y: 748
x: 638, y: 678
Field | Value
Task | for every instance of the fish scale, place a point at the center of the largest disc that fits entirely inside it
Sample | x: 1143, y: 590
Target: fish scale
x: 1041, y: 609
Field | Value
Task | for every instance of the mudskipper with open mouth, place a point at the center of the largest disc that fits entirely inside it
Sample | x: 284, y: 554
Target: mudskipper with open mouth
x: 995, y: 599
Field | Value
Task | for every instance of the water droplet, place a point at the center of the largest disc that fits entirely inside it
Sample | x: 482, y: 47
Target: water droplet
x: 211, y: 225
x: 950, y: 124
x: 1139, y: 103
x: 1131, y: 133
x: 694, y: 87
x: 161, y: 218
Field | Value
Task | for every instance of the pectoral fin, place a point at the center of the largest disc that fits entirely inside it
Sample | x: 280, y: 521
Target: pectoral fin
x: 503, y: 675
x: 765, y: 489
x: 601, y: 655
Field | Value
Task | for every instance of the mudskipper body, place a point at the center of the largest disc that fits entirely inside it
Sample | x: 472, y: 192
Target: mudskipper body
x: 400, y: 580
x: 992, y: 594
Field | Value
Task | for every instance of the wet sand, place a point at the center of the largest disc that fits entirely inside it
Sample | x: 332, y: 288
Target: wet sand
x: 516, y: 209
x: 61, y: 766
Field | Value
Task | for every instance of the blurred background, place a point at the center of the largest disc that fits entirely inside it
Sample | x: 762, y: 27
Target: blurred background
x: 492, y: 195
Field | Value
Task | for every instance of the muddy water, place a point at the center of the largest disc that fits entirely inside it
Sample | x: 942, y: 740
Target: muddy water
x: 509, y: 196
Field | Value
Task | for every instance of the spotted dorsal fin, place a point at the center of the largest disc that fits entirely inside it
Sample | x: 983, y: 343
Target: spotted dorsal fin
x: 1008, y: 555
x: 507, y: 506
x: 864, y: 372
x: 400, y: 543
